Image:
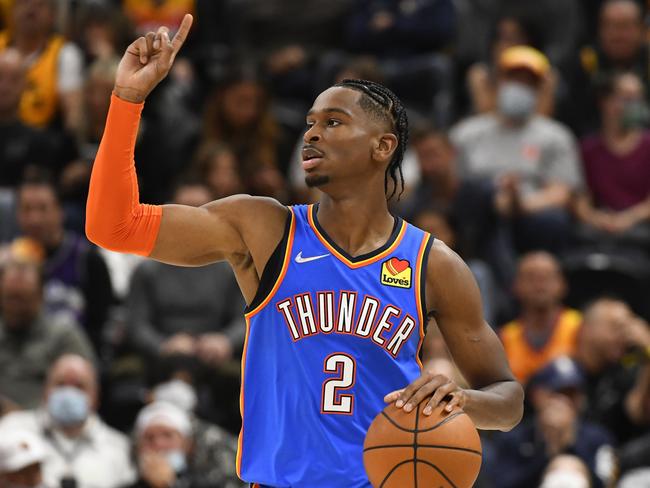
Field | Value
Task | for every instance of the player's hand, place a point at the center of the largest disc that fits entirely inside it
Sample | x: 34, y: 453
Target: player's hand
x: 435, y: 389
x: 147, y: 61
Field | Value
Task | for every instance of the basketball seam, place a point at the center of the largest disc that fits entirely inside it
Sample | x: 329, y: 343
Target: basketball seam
x: 453, y: 485
x: 383, y: 482
x: 432, y: 446
x: 415, y: 449
x: 444, y: 421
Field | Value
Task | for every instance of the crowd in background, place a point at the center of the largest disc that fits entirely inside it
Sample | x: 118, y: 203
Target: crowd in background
x: 529, y: 155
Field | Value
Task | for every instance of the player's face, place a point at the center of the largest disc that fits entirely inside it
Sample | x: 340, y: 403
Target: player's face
x: 339, y: 138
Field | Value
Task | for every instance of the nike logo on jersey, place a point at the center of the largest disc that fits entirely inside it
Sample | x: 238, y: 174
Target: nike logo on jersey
x: 299, y: 259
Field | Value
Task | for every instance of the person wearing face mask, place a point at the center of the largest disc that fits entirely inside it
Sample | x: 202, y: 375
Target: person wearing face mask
x: 81, y: 450
x: 526, y: 163
x: 166, y: 452
x: 615, y: 206
x: 21, y: 456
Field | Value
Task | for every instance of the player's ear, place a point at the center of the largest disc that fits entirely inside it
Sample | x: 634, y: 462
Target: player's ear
x: 385, y: 147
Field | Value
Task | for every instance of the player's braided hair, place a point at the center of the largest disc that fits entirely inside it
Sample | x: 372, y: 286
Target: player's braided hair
x: 383, y: 103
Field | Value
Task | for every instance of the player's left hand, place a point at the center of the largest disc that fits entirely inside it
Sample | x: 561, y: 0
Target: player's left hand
x: 436, y: 388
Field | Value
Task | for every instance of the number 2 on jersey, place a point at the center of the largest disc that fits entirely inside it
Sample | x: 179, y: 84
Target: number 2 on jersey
x: 333, y: 401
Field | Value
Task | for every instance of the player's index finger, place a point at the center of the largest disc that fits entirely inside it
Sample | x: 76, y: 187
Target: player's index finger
x: 181, y: 35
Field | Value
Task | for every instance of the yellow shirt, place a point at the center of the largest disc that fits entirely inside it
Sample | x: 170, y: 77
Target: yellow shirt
x: 40, y: 100
x: 524, y: 359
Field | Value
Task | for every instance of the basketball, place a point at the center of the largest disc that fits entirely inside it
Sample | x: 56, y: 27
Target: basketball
x: 403, y: 450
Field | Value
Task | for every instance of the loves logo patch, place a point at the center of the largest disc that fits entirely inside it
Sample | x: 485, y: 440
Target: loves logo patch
x: 396, y: 272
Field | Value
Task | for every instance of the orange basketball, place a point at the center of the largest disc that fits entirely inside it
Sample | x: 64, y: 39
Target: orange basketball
x: 404, y: 450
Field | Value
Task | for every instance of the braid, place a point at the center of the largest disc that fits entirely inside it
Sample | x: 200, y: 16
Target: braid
x: 382, y: 102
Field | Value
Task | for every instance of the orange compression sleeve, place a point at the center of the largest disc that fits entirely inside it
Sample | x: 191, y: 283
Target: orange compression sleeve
x: 115, y: 218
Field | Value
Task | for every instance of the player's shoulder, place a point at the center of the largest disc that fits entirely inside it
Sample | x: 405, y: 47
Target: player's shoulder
x: 444, y: 261
x: 244, y: 207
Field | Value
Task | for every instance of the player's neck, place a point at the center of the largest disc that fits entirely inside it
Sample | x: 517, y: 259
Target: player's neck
x: 356, y: 223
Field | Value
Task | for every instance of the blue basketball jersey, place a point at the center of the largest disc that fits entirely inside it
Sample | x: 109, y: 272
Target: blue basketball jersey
x: 332, y: 336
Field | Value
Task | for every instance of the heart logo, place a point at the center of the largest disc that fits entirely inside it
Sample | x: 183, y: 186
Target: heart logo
x: 396, y: 266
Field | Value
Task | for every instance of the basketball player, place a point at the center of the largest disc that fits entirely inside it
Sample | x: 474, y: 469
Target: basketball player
x: 337, y: 292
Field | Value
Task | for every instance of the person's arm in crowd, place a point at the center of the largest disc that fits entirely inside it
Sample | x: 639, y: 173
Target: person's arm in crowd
x: 608, y: 220
x: 98, y: 293
x: 637, y: 401
x: 141, y: 332
x: 71, y: 339
x: 553, y: 195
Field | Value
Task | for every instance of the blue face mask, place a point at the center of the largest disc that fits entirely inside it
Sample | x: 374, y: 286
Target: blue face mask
x: 516, y: 100
x: 68, y: 406
x: 177, y: 460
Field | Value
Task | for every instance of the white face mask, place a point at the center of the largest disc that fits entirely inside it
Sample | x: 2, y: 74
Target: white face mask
x: 564, y: 479
x: 177, y: 460
x: 516, y: 100
x: 176, y: 392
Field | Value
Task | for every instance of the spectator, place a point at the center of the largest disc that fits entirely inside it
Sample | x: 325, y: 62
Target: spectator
x: 81, y: 449
x: 30, y: 340
x: 528, y: 163
x: 193, y: 314
x: 617, y: 386
x: 55, y: 67
x: 408, y: 38
x: 566, y: 471
x: 217, y: 166
x: 21, y: 456
x: 77, y: 283
x: 556, y: 427
x: 102, y: 30
x: 167, y: 455
x: 237, y: 112
x: 621, y: 47
x: 509, y: 31
x: 616, y: 204
x: 20, y: 145
x: 148, y: 15
x: 545, y: 329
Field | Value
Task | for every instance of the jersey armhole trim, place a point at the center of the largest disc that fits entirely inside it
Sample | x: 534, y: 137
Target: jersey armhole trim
x: 420, y: 291
x: 275, y: 268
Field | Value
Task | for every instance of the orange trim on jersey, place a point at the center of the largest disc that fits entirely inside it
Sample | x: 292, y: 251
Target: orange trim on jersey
x: 346, y: 261
x: 240, y: 440
x: 418, y: 293
x: 285, y: 266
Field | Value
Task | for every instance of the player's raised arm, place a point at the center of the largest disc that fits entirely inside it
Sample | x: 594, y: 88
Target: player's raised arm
x: 495, y: 399
x: 115, y: 219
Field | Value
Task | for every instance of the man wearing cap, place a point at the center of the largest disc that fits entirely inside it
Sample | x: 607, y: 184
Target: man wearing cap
x: 21, y: 455
x: 164, y: 449
x: 554, y: 427
x: 528, y: 162
x: 82, y: 451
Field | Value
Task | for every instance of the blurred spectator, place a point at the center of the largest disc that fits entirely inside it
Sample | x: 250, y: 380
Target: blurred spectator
x: 545, y: 329
x: 217, y: 166
x: 20, y: 145
x: 167, y: 454
x: 77, y: 283
x: 556, y: 427
x: 407, y: 38
x: 81, y: 449
x: 440, y: 224
x: 612, y: 349
x: 634, y: 458
x: 508, y: 32
x: 193, y: 313
x: 30, y: 340
x: 55, y: 67
x: 177, y: 310
x: 566, y: 471
x: 102, y: 30
x: 21, y: 456
x: 621, y: 47
x: 616, y: 204
x: 236, y: 113
x: 527, y: 163
x: 639, y: 478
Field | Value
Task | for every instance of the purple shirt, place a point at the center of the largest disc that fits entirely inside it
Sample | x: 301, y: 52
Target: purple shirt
x: 616, y: 181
